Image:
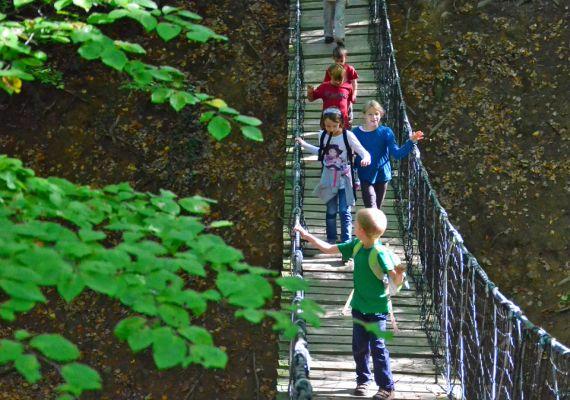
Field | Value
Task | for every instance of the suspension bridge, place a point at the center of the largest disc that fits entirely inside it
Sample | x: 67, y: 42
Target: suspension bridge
x: 460, y: 337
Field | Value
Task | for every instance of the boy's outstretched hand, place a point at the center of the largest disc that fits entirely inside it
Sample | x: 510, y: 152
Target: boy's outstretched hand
x: 416, y: 136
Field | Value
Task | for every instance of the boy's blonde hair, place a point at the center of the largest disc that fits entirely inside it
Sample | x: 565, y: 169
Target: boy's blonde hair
x: 372, y: 221
x: 375, y: 105
x: 336, y: 72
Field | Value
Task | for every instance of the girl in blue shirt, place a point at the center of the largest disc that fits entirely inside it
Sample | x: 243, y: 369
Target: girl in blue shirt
x: 380, y: 142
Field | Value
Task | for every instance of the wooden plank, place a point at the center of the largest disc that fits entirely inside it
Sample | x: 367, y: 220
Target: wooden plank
x: 346, y: 349
x: 397, y: 340
x: 420, y: 366
x: 404, y: 390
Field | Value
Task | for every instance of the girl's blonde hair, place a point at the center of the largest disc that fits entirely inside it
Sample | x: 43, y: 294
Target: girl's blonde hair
x: 375, y: 105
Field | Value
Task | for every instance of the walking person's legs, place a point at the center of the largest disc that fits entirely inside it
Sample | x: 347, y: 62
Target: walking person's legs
x: 361, y: 354
x: 380, y: 189
x: 339, y: 21
x: 381, y: 362
x: 368, y: 194
x: 332, y: 210
x: 345, y: 216
x: 328, y: 15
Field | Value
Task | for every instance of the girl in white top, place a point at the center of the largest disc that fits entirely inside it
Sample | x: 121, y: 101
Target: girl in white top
x: 336, y: 185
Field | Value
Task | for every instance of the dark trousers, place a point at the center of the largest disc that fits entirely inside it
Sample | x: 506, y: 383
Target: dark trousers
x: 373, y: 194
x: 365, y: 344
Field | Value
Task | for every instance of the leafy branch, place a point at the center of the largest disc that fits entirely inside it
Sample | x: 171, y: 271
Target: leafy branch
x: 73, y: 22
x: 23, y: 353
x: 141, y: 249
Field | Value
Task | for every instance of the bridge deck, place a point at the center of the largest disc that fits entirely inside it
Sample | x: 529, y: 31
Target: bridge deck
x: 332, y: 368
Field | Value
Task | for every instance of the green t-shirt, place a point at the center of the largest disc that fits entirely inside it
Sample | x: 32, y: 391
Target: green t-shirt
x: 369, y: 294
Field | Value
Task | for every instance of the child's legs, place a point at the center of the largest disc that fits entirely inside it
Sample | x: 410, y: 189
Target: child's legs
x: 332, y: 209
x: 368, y: 194
x: 361, y: 349
x: 328, y: 15
x: 381, y: 357
x: 339, y: 19
x: 380, y: 189
x: 345, y: 216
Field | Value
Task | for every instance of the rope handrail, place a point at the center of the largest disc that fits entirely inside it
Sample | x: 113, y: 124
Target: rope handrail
x: 299, y: 385
x: 486, y: 347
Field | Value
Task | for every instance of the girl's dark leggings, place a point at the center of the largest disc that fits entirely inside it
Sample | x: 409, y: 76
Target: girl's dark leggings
x: 373, y: 194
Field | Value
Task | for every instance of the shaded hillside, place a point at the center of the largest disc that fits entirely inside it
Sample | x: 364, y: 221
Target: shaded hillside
x: 490, y: 86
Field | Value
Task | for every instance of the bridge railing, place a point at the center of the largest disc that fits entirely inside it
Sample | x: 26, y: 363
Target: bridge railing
x: 299, y: 357
x: 484, y: 345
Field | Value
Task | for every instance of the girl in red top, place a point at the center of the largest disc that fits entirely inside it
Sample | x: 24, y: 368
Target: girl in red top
x: 340, y: 55
x: 335, y: 93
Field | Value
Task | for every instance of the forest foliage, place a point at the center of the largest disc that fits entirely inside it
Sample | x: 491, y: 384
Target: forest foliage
x: 143, y: 250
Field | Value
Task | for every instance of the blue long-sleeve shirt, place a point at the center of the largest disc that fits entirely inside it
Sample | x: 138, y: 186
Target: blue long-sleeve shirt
x: 381, y: 144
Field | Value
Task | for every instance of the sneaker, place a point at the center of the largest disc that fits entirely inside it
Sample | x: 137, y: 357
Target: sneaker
x: 360, y: 389
x: 384, y: 394
x: 329, y: 39
x: 340, y: 42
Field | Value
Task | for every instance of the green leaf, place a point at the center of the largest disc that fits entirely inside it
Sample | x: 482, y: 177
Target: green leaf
x: 219, y: 127
x: 168, y: 9
x: 65, y: 396
x: 205, y: 117
x: 168, y: 350
x: 195, y: 205
x: 251, y: 132
x: 292, y: 283
x: 168, y: 31
x: 88, y: 235
x: 196, y: 335
x: 100, y: 282
x: 208, y: 356
x: 129, y: 47
x: 190, y: 15
x: 98, y: 18
x: 141, y: 340
x: 114, y: 58
x: 29, y: 367
x: 179, y: 99
x: 61, y: 4
x: 221, y: 224
x: 191, y: 264
x: 90, y: 50
x: 9, y: 351
x: 147, y: 4
x: 173, y: 315
x: 21, y: 3
x: 146, y: 20
x: 129, y: 326
x: 85, y: 4
x: 22, y: 334
x: 375, y: 329
x: 229, y: 111
x: 253, y: 316
x: 81, y: 376
x: 244, y: 119
x: 22, y: 290
x: 70, y: 287
x: 55, y: 347
x: 160, y: 95
x: 237, y: 289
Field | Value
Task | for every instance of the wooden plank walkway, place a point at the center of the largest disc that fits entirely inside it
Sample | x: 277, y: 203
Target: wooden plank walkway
x: 332, y: 368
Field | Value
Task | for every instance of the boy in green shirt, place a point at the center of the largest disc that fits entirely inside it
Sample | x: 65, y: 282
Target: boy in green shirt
x: 369, y: 302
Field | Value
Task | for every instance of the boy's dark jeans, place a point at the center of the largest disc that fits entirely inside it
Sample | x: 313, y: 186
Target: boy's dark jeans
x: 364, y: 344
